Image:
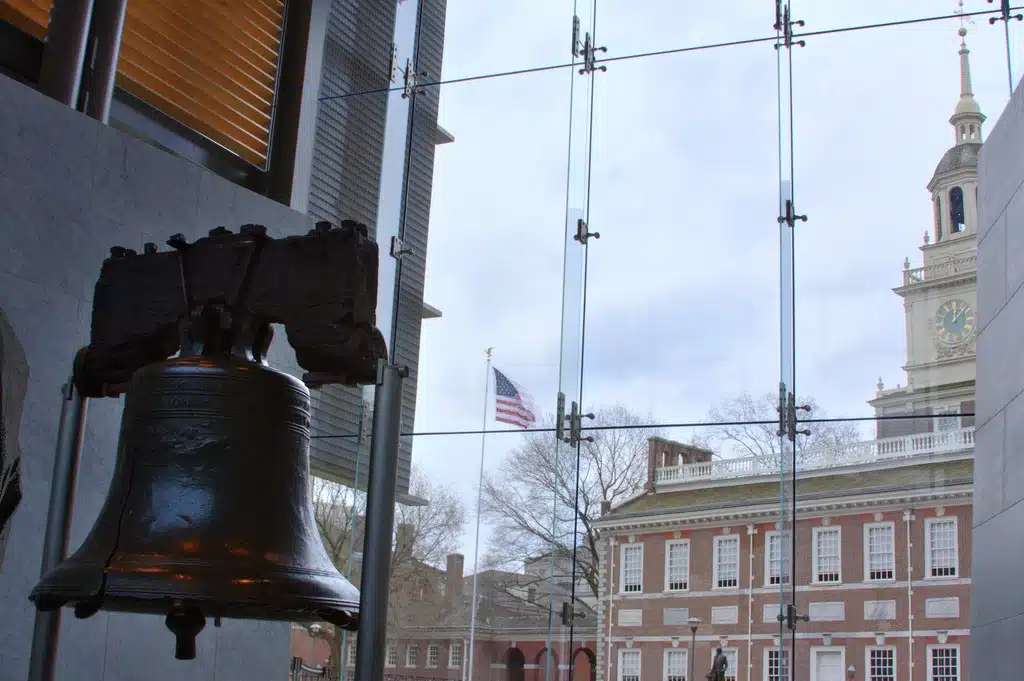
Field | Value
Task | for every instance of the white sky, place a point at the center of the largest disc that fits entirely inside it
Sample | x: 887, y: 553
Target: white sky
x: 683, y: 292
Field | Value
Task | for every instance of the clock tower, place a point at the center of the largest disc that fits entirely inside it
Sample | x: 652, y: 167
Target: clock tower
x: 939, y: 296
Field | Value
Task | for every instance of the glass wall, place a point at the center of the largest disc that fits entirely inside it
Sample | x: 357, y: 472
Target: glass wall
x: 700, y: 397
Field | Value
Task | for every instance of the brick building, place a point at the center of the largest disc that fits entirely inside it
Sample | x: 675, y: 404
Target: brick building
x: 882, y: 539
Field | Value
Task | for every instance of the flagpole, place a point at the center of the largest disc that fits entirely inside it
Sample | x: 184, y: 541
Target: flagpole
x: 479, y: 498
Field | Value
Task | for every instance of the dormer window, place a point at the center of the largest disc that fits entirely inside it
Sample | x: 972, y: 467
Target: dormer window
x: 956, y: 210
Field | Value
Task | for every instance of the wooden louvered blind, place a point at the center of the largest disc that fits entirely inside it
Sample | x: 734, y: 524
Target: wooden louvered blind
x: 209, y: 64
x: 31, y: 16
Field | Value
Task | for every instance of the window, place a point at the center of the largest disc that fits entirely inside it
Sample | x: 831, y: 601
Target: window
x: 677, y: 565
x: 947, y: 420
x: 776, y: 666
x: 411, y: 653
x: 350, y: 658
x: 774, y: 559
x: 826, y: 555
x: 730, y: 656
x: 727, y: 562
x: 629, y: 665
x: 433, y: 655
x: 938, y: 219
x: 632, y: 568
x: 676, y: 665
x: 455, y: 656
x: 956, y: 210
x: 392, y: 657
x: 879, y: 552
x: 881, y: 664
x: 943, y: 663
x: 940, y: 552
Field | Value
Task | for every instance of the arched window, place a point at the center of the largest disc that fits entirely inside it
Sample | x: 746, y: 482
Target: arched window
x: 956, y: 210
x: 938, y: 219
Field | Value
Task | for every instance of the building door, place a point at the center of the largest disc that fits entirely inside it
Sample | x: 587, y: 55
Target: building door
x: 828, y: 665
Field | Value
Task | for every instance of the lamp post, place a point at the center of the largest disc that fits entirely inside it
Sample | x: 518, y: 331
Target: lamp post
x: 694, y: 622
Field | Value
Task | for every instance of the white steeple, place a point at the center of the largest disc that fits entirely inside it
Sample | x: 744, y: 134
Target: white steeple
x: 967, y: 117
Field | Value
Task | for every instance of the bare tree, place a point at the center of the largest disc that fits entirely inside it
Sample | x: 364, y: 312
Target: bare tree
x: 424, y: 536
x: 532, y: 503
x: 748, y: 426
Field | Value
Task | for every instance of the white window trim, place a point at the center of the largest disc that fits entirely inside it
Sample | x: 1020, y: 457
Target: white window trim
x: 714, y: 561
x: 640, y: 661
x: 767, y: 561
x: 867, y: 661
x: 867, y: 555
x: 959, y: 659
x: 814, y: 553
x: 622, y: 568
x: 676, y: 542
x: 948, y: 411
x: 426, y: 664
x: 451, y: 649
x: 409, y: 648
x: 928, y: 522
x: 387, y: 655
x: 826, y: 649
x: 764, y: 668
x: 686, y: 663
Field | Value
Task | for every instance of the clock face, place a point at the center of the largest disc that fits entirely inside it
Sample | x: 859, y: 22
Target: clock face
x: 954, y: 322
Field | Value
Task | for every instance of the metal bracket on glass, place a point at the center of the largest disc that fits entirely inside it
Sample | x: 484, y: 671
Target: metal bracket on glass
x: 394, y: 63
x: 1005, y: 11
x: 785, y: 24
x: 576, y: 44
x: 560, y: 418
x: 787, y: 415
x: 569, y: 614
x: 575, y: 419
x: 791, y: 617
x: 589, y: 54
x: 398, y: 248
x: 582, y: 234
x: 411, y: 76
x: 790, y: 217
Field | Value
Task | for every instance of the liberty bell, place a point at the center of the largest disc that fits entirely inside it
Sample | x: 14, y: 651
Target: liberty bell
x: 209, y: 513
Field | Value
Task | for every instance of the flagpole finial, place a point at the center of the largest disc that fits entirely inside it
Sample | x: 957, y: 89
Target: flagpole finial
x: 489, y: 353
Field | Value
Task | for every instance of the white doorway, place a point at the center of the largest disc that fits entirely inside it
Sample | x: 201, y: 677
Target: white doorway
x: 827, y: 664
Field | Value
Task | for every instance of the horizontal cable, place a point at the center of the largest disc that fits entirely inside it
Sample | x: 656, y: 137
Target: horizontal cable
x: 678, y: 50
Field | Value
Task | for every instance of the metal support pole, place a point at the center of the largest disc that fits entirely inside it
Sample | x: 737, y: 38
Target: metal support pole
x: 104, y: 48
x: 380, y: 521
x: 60, y: 74
x: 42, y: 664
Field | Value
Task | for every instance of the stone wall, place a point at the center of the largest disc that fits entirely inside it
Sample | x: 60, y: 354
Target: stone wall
x: 70, y: 189
x: 997, y: 603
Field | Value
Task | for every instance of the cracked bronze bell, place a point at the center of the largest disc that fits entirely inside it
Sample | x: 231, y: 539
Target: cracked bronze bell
x: 209, y: 513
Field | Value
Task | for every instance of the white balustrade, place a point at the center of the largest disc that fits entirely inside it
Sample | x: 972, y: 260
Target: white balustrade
x: 821, y: 457
x: 939, y: 270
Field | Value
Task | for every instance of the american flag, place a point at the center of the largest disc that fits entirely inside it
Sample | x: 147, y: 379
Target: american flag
x: 512, y: 404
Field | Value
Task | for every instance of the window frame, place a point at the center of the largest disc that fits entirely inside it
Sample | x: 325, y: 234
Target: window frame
x: 452, y: 648
x: 686, y: 662
x: 668, y: 583
x: 867, y: 527
x: 436, y: 649
x: 929, y: 669
x: 784, y: 652
x: 622, y: 568
x: 867, y: 661
x: 768, y: 536
x: 928, y: 523
x: 816, y: 532
x: 639, y: 662
x: 715, y: 567
x: 413, y: 648
x: 947, y: 412
x: 350, y: 655
x: 391, y: 648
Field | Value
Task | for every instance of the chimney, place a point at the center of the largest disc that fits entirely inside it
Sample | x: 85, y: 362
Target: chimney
x: 606, y: 508
x: 454, y: 578
x: 404, y: 537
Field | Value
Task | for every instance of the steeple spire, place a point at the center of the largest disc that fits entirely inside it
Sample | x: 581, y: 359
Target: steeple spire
x: 967, y: 117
